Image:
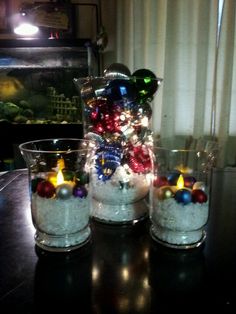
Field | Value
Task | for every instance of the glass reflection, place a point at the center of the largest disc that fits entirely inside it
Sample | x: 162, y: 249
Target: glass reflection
x: 63, y: 281
x: 177, y: 279
x: 120, y: 283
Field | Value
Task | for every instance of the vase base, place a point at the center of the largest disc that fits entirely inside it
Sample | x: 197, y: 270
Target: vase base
x: 119, y: 214
x: 66, y: 243
x: 179, y: 240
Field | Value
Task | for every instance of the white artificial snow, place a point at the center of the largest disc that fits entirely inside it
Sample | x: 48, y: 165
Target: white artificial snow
x: 63, y: 222
x: 176, y: 223
x: 119, y: 213
x: 119, y: 199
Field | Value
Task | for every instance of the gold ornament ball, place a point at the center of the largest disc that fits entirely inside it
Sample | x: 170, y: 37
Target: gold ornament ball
x: 165, y: 192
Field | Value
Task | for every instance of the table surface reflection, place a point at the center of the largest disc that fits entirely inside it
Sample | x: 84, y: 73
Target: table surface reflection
x: 122, y: 270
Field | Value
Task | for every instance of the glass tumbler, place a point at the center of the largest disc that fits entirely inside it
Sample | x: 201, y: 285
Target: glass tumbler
x: 59, y: 191
x: 180, y: 196
x: 117, y: 112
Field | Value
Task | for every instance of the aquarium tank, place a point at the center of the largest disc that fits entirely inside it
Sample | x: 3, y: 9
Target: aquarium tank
x: 36, y: 80
x: 38, y: 98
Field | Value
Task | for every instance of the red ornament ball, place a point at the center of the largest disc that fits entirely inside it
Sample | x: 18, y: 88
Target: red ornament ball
x: 199, y: 196
x: 98, y: 128
x: 160, y: 181
x: 45, y: 189
x: 139, y: 160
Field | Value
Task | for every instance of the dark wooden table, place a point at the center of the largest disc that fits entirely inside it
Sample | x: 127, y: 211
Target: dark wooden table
x: 122, y: 270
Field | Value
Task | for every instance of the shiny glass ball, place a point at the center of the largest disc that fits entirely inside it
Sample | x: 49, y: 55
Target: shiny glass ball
x: 199, y: 196
x: 164, y: 192
x: 45, y: 189
x: 183, y: 196
x: 64, y: 191
x: 80, y: 191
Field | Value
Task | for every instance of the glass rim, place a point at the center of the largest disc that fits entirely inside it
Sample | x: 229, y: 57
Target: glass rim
x: 114, y: 77
x: 182, y: 150
x: 72, y: 139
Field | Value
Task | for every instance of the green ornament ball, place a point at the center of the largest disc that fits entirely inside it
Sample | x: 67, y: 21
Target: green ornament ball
x: 82, y: 177
x: 146, y: 83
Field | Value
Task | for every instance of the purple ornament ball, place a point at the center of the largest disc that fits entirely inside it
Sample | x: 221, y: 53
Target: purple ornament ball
x: 80, y: 191
x: 189, y: 182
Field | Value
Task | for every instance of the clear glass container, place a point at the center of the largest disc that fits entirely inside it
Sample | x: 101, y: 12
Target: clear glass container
x: 117, y: 115
x: 59, y: 192
x: 180, y: 195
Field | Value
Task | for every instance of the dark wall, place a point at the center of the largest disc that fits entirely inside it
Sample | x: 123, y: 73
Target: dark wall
x: 11, y: 135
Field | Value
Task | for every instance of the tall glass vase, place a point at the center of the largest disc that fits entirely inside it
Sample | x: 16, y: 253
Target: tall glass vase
x: 117, y: 113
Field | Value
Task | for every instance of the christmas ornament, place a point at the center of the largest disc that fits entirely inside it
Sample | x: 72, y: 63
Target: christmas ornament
x: 108, y: 158
x: 81, y: 177
x: 199, y: 196
x: 139, y: 159
x: 34, y: 184
x: 119, y: 89
x: 183, y: 196
x: 160, y: 181
x: 80, y: 191
x: 173, y: 177
x: 144, y: 110
x: 146, y: 83
x: 199, y: 185
x: 91, y: 89
x: 64, y: 191
x: 117, y: 70
x: 164, y: 192
x: 68, y: 175
x: 45, y: 189
x: 189, y: 182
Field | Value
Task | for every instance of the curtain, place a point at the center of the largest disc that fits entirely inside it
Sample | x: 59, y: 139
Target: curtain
x: 179, y: 41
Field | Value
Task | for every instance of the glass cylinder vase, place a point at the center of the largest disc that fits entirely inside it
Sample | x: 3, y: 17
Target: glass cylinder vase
x: 59, y: 192
x: 180, y: 195
x: 117, y: 114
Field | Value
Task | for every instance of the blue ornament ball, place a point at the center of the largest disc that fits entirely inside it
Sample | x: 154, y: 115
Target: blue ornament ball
x: 183, y: 196
x: 120, y: 89
x: 173, y: 177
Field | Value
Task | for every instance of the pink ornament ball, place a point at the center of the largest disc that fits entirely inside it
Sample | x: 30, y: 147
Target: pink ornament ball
x: 199, y: 196
x: 45, y: 189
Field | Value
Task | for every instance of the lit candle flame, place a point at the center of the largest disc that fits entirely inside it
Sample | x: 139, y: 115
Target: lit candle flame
x: 61, y: 164
x: 60, y: 178
x: 180, y: 182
